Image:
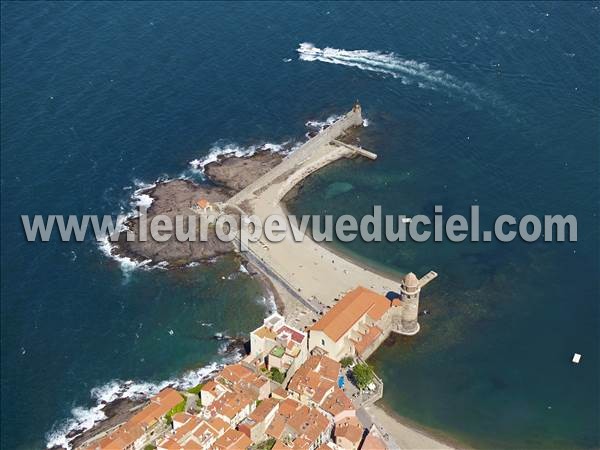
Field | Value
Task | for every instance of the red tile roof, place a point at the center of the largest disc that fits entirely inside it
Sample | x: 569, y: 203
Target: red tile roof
x: 349, y: 310
x: 315, y: 378
x: 366, y: 339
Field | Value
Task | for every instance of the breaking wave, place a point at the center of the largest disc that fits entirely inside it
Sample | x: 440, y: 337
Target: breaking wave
x: 83, y: 419
x: 407, y: 70
x: 269, y: 302
x: 218, y: 151
x: 126, y: 264
x: 318, y: 125
x: 139, y: 199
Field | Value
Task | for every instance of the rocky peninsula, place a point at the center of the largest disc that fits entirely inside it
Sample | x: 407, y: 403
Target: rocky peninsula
x: 224, y: 178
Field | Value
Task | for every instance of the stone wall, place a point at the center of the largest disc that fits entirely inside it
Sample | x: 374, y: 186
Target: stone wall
x: 306, y: 170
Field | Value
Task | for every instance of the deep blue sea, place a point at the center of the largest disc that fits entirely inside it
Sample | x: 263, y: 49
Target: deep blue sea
x: 494, y: 104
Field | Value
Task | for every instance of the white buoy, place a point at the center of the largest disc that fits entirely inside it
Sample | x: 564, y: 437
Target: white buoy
x: 576, y: 358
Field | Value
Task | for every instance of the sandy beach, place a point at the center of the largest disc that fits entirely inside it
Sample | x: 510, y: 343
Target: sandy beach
x: 407, y: 436
x: 304, y: 277
x: 308, y: 277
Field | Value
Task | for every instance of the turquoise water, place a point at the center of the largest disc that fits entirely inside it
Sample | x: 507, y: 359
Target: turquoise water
x: 99, y: 97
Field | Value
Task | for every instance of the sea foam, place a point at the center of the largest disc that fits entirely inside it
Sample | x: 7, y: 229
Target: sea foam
x: 407, y: 70
x: 269, y: 302
x: 218, y: 151
x: 83, y: 419
x: 139, y: 199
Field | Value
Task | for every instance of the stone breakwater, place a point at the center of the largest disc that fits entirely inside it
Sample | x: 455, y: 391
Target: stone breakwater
x: 229, y: 180
x: 315, y: 273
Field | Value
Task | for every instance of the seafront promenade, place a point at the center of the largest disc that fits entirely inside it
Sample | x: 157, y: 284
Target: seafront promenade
x: 310, y: 279
x: 312, y: 273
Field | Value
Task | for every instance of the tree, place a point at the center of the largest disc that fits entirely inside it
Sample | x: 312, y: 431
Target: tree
x: 276, y: 375
x: 196, y: 389
x: 363, y: 375
x: 346, y: 361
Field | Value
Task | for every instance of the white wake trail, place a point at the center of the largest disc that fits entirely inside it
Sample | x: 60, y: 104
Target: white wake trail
x: 407, y: 70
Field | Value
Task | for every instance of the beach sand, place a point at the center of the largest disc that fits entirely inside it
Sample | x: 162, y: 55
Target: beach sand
x: 306, y: 278
x: 407, y: 435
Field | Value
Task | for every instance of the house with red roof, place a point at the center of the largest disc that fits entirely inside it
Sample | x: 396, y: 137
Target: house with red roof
x: 277, y: 344
x: 355, y: 326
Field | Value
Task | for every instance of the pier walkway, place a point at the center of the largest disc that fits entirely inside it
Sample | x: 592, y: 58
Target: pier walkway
x: 314, y: 273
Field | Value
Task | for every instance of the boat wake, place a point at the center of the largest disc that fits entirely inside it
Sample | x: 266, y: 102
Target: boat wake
x: 407, y: 70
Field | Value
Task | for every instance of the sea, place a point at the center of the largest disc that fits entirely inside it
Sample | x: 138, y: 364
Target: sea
x: 495, y: 104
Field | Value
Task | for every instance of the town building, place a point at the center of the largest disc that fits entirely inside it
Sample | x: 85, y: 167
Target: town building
x: 374, y: 440
x: 278, y: 345
x: 349, y: 433
x: 207, y: 211
x: 233, y: 393
x: 233, y: 440
x: 314, y: 380
x: 361, y: 320
x: 193, y: 433
x: 144, y: 427
x: 338, y: 405
x: 233, y: 407
x: 256, y: 424
x: 202, y: 206
x: 299, y: 427
x: 354, y: 325
x: 235, y: 378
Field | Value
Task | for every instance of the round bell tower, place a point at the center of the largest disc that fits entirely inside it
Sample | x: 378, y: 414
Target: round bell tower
x: 409, y: 294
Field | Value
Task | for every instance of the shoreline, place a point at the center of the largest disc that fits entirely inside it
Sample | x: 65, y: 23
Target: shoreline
x: 301, y: 313
x: 267, y: 283
x: 411, y: 434
x: 405, y: 432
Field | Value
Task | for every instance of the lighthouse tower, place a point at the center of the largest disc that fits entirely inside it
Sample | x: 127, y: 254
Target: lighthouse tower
x: 410, y: 290
x: 356, y: 114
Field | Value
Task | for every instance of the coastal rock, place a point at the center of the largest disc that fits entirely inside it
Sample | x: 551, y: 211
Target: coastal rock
x: 236, y: 173
x: 232, y: 344
x: 117, y: 412
x: 229, y: 174
x: 174, y: 198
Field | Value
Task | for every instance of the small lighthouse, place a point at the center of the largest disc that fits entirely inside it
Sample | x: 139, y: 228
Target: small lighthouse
x: 357, y: 114
x: 409, y: 293
x: 410, y: 290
